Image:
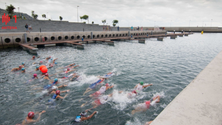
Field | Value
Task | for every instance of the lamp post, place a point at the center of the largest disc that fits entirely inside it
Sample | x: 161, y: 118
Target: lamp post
x: 77, y: 14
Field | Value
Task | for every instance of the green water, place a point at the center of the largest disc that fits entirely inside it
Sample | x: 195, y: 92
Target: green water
x: 169, y: 65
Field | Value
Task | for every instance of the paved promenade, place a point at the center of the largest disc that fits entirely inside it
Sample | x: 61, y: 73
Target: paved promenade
x: 200, y: 103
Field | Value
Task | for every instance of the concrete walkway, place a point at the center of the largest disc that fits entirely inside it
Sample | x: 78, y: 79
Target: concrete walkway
x: 200, y: 103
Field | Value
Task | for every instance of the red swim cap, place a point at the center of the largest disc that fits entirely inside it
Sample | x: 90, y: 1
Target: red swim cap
x: 31, y: 114
x: 147, y: 104
x: 107, y: 84
x: 57, y: 92
x: 46, y: 74
x: 68, y: 69
x: 20, y: 66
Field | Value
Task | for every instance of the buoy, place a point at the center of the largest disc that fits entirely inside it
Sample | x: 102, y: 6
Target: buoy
x: 40, y: 68
x: 201, y: 32
x: 44, y: 70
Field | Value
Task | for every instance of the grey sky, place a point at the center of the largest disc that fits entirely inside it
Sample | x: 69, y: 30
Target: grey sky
x: 128, y: 12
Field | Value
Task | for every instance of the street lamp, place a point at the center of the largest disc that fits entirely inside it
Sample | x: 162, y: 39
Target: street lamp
x: 77, y: 14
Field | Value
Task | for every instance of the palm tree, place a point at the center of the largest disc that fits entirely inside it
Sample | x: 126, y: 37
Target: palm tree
x: 104, y: 22
x: 60, y: 17
x: 85, y: 17
x: 10, y: 10
x: 115, y: 22
x: 43, y: 16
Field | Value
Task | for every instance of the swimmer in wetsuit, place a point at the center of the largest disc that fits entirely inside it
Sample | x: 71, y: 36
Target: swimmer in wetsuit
x: 138, y: 88
x: 93, y: 85
x: 101, y: 100
x: 144, y: 106
x: 83, y: 116
x: 29, y: 118
x: 101, y: 90
x: 56, y: 95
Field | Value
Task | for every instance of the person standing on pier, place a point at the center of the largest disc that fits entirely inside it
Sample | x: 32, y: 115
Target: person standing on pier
x: 26, y: 27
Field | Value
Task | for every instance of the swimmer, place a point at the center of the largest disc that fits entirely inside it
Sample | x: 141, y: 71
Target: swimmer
x: 74, y: 66
x: 23, y: 70
x: 55, y: 88
x: 34, y: 77
x: 57, y: 96
x: 33, y: 57
x: 23, y: 64
x: 17, y: 69
x: 83, y: 116
x: 37, y: 68
x: 46, y: 76
x: 40, y: 62
x: 66, y: 71
x: 47, y: 58
x: 71, y: 76
x: 107, y: 75
x: 52, y: 64
x: 101, y: 90
x: 70, y: 65
x: 93, y: 85
x: 55, y: 82
x: 144, y: 106
x: 29, y: 118
x: 101, y: 100
x: 138, y: 88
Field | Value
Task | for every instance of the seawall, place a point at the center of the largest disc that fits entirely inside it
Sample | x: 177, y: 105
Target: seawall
x: 200, y: 102
x: 8, y: 40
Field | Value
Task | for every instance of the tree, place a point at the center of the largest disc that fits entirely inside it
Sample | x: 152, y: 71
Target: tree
x: 115, y: 22
x: 60, y: 17
x: 10, y: 10
x: 35, y: 16
x: 43, y: 16
x: 85, y: 17
x: 104, y: 22
x: 92, y: 22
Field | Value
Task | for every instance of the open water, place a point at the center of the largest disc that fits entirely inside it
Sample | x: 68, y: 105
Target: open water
x: 169, y: 65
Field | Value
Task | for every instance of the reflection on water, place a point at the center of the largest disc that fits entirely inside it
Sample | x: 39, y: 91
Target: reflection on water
x: 169, y: 65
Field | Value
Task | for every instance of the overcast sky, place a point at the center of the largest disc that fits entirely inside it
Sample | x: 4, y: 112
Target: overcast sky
x: 128, y: 12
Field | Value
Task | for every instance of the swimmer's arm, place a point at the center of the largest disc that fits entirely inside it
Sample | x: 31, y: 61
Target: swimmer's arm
x: 53, y: 92
x: 61, y: 96
x: 62, y: 86
x: 65, y: 91
x: 144, y: 86
x: 86, y: 118
x: 135, y: 86
x: 110, y: 87
x: 31, y: 121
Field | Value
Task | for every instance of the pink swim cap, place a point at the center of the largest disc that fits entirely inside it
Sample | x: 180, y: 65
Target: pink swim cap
x: 107, y: 84
x: 40, y: 62
x: 35, y: 75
